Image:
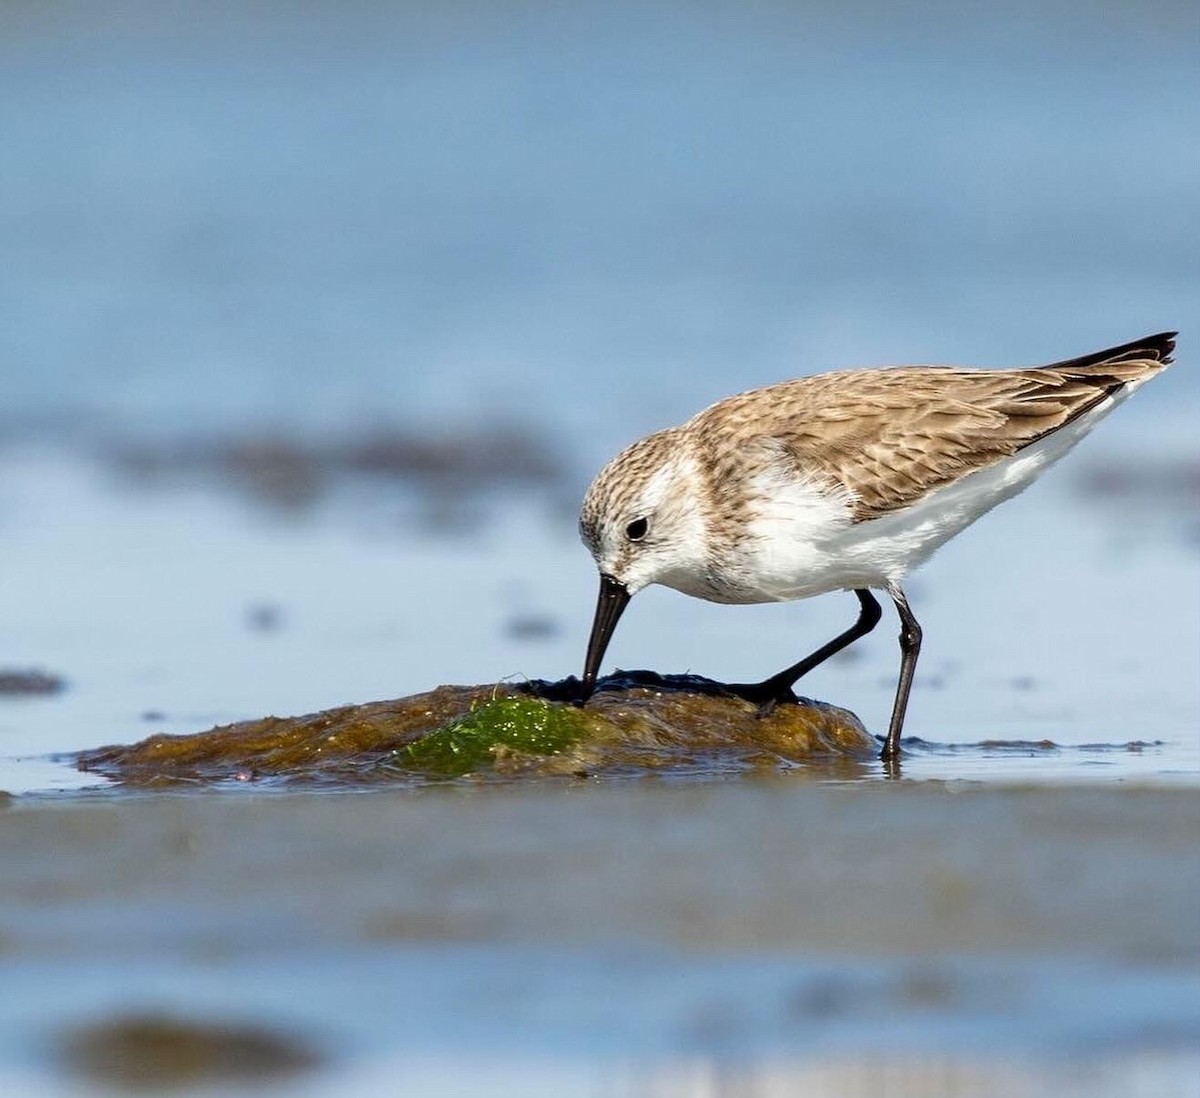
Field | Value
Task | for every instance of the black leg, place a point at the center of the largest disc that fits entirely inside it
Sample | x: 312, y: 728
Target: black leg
x: 910, y: 649
x: 768, y: 693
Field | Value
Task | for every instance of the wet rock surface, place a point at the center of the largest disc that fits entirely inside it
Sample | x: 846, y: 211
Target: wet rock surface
x: 636, y: 722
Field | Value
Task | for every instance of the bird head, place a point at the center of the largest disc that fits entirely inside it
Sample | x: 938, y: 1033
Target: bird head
x: 643, y: 522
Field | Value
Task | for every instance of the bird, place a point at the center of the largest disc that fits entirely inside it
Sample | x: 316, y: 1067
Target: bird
x: 842, y: 481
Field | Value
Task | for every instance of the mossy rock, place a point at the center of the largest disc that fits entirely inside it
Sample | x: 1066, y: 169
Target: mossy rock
x: 635, y: 723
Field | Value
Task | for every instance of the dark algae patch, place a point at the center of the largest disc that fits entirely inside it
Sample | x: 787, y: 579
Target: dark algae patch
x: 16, y: 682
x: 635, y: 723
x: 150, y: 1054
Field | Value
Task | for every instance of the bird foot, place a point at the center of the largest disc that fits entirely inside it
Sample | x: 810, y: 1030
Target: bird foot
x: 766, y: 695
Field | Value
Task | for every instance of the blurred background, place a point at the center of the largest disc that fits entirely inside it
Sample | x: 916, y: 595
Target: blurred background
x: 316, y: 318
x: 595, y: 217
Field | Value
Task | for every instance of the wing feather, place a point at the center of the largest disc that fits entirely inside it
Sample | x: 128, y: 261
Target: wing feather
x: 891, y: 436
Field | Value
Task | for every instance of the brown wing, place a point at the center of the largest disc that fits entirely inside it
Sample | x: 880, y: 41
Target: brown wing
x: 892, y: 435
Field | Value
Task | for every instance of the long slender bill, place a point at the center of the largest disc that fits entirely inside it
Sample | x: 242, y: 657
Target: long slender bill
x: 613, y: 600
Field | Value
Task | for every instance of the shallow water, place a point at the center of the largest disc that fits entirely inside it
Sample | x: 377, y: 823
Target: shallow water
x: 149, y: 605
x: 1015, y: 914
x: 314, y: 322
x: 631, y: 940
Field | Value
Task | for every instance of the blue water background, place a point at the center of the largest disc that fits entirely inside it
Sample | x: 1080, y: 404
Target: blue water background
x: 596, y: 217
x: 591, y: 219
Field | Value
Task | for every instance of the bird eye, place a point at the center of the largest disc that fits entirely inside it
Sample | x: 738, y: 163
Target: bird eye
x: 636, y: 530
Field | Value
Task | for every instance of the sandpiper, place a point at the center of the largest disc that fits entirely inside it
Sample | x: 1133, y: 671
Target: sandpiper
x: 843, y: 481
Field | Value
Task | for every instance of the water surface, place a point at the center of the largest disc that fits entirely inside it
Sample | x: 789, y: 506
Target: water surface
x: 314, y: 323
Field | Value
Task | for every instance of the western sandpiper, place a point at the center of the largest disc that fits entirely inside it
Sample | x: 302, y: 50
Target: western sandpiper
x: 842, y: 481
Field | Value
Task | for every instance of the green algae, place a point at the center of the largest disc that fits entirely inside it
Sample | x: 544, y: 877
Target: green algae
x: 519, y: 723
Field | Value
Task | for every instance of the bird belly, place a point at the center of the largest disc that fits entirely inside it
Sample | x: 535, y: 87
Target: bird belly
x: 803, y: 540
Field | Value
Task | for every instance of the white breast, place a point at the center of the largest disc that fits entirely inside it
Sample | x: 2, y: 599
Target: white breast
x: 784, y: 552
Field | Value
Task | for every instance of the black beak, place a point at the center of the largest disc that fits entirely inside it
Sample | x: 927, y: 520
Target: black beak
x: 613, y: 600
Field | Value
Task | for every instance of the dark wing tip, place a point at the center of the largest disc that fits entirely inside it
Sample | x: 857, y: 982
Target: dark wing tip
x: 1160, y: 347
x: 1153, y: 348
x: 1164, y: 343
